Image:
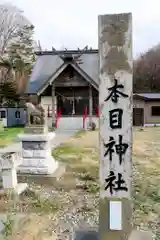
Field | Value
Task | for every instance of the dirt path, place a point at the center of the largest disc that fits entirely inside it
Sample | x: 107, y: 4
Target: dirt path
x: 31, y: 230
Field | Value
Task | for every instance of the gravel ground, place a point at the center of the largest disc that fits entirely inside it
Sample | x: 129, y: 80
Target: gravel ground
x: 80, y: 209
x: 76, y: 213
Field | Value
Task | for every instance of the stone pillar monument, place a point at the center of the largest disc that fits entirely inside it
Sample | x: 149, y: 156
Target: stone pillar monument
x: 36, y: 143
x: 115, y: 134
x: 115, y: 99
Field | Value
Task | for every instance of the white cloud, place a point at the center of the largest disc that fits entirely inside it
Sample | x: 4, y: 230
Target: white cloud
x: 74, y: 23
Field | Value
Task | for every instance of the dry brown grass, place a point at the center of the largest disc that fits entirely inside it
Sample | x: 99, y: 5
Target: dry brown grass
x: 146, y: 160
x: 81, y: 155
x: 86, y: 140
x: 31, y: 230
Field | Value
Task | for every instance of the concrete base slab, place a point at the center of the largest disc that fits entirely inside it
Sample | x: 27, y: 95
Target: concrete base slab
x: 20, y: 187
x: 88, y: 234
x: 93, y: 234
x: 43, y: 178
x: 50, y: 166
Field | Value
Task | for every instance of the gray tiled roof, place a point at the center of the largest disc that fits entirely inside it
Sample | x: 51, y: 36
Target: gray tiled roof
x: 90, y: 66
x: 149, y: 95
x: 47, y: 65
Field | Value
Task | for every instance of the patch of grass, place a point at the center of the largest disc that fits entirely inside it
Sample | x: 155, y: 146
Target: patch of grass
x: 146, y: 193
x: 9, y: 134
x: 89, y: 186
x: 8, y: 227
x: 65, y: 149
x: 85, y: 172
x: 85, y: 208
x: 80, y: 133
x: 52, y: 128
x: 68, y: 153
x: 39, y: 204
x: 45, y: 205
x: 80, y: 160
x: 83, y: 163
x: 154, y: 194
x: 92, y: 187
x: 86, y: 176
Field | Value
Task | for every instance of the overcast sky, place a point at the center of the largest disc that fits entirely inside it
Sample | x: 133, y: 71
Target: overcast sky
x: 74, y: 23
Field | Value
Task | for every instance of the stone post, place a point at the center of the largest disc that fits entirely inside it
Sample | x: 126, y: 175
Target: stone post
x: 90, y: 105
x: 9, y: 178
x: 115, y: 99
x: 8, y: 166
x: 53, y: 106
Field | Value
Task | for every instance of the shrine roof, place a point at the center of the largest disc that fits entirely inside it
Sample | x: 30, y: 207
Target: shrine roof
x: 148, y: 96
x: 48, y: 63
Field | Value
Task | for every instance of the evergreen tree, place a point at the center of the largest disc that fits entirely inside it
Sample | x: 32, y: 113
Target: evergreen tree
x: 16, y: 52
x: 8, y: 91
x: 21, y: 52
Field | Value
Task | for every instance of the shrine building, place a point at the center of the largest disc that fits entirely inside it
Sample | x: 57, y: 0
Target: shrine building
x: 67, y: 84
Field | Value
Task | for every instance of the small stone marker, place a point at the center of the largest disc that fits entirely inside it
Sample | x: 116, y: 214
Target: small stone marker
x: 86, y: 234
x: 8, y: 164
x: 115, y: 99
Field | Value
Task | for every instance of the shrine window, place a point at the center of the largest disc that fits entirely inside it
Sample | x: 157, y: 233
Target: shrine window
x: 155, y: 110
x: 17, y: 114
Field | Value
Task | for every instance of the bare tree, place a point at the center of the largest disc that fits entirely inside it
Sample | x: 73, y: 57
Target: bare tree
x: 12, y: 22
x: 147, y: 71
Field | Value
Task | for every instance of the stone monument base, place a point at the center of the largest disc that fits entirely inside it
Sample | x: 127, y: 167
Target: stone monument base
x: 37, y: 154
x: 35, y: 129
x: 92, y: 234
